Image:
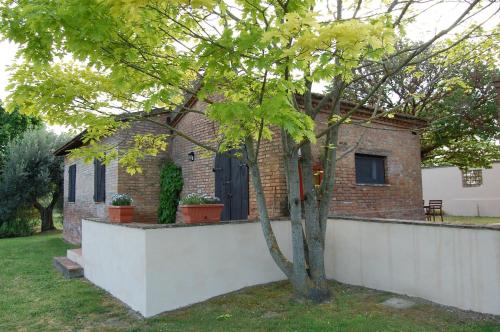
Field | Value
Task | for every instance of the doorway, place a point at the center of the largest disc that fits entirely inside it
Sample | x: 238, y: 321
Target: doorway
x: 231, y: 186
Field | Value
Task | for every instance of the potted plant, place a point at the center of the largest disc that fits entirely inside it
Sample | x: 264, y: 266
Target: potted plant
x: 200, y: 209
x: 121, y: 209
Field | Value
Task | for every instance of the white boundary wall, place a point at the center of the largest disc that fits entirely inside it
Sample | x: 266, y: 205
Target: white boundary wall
x: 445, y: 183
x: 159, y: 269
x: 449, y: 265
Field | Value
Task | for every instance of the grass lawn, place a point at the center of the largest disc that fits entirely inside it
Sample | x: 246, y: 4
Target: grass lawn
x: 33, y: 297
x: 471, y: 220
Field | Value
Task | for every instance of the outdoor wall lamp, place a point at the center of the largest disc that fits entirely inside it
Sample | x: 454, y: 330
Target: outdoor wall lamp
x: 191, y: 156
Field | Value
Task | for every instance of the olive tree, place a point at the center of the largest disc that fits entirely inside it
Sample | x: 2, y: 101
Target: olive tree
x: 32, y: 175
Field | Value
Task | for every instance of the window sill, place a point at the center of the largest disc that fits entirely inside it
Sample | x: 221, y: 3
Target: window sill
x: 98, y: 203
x: 373, y: 184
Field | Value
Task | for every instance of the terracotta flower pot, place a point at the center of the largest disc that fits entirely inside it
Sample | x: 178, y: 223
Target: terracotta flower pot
x: 202, y: 213
x: 121, y: 214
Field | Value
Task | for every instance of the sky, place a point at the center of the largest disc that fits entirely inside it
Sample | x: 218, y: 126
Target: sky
x: 426, y: 26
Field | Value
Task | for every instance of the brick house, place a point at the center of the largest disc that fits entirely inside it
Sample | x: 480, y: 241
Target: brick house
x: 379, y: 176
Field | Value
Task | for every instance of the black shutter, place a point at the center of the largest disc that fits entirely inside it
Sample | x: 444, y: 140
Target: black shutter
x: 102, y: 188
x: 99, y: 181
x: 72, y: 183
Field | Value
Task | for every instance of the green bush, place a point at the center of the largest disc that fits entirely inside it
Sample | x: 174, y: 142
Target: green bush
x: 18, y: 227
x: 170, y: 188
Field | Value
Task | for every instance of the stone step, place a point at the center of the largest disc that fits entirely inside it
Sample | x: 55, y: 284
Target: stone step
x: 76, y: 256
x: 67, y: 267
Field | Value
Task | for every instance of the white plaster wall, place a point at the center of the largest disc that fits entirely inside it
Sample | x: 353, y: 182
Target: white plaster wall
x: 115, y: 261
x: 156, y: 270
x: 186, y: 265
x: 453, y: 266
x: 446, y: 183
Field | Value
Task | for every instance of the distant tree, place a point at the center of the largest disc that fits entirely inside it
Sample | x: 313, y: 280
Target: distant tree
x: 32, y: 176
x: 455, y: 93
x: 12, y: 125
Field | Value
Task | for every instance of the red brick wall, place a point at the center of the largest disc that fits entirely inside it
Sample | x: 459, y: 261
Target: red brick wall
x: 198, y: 175
x: 144, y: 187
x: 271, y: 166
x: 401, y: 197
x: 84, y: 205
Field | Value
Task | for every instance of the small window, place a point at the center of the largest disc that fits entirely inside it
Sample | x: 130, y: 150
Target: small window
x: 71, y: 183
x: 370, y: 169
x: 99, y: 181
x: 472, y: 178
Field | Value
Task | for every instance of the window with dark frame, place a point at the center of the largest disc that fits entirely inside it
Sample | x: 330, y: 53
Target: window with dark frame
x: 370, y: 169
x: 472, y: 178
x: 99, y: 181
x: 71, y: 183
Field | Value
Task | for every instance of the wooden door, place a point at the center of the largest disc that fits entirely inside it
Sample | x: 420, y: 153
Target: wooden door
x: 231, y: 187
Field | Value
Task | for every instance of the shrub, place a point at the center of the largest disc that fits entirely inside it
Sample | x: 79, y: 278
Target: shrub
x: 121, y: 200
x: 170, y: 188
x: 195, y: 199
x: 18, y: 227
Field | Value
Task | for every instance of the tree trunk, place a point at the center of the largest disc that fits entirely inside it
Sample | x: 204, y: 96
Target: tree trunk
x: 314, y: 236
x: 47, y: 220
x: 329, y: 166
x: 279, y: 258
x: 297, y: 272
x: 46, y: 213
x: 300, y: 279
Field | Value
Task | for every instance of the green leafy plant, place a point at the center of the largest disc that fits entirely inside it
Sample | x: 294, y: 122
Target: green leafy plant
x: 170, y: 188
x: 18, y: 226
x: 121, y: 200
x: 196, y: 199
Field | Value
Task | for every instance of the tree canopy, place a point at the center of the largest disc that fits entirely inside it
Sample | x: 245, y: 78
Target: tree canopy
x: 455, y: 93
x: 145, y: 54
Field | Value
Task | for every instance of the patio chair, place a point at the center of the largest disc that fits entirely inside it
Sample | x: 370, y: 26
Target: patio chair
x: 435, y: 207
x: 426, y: 211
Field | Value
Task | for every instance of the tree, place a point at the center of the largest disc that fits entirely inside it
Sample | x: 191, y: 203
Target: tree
x: 455, y: 93
x: 12, y: 125
x: 32, y: 176
x: 247, y: 60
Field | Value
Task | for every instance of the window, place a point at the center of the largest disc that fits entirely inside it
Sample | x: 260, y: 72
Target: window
x: 71, y: 183
x: 472, y: 178
x: 99, y: 181
x: 370, y: 169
